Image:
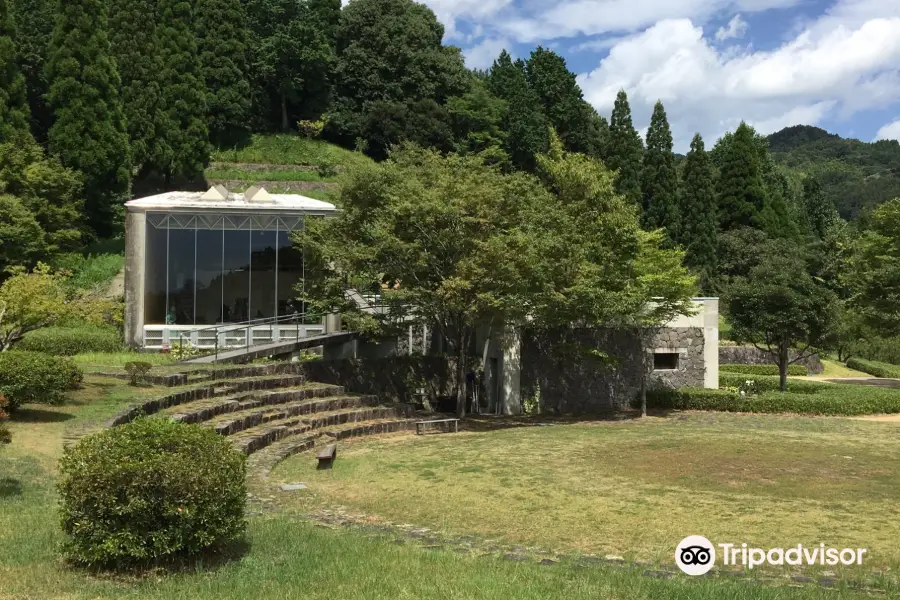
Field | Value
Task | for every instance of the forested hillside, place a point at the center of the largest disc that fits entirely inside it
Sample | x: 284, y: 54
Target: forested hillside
x: 855, y: 175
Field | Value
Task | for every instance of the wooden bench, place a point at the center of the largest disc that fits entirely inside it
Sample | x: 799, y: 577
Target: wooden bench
x: 326, y: 456
x: 420, y: 425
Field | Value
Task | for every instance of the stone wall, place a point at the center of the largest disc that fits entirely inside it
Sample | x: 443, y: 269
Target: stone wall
x: 750, y: 355
x: 576, y: 371
x: 394, y: 378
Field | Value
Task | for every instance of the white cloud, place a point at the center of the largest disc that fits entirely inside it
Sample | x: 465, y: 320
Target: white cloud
x: 735, y: 29
x: 592, y: 17
x: 482, y: 55
x: 821, y: 71
x: 891, y: 131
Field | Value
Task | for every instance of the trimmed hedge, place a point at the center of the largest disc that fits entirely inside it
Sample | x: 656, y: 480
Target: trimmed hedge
x: 762, y: 369
x: 834, y: 400
x: 768, y: 383
x: 150, y: 491
x: 875, y: 368
x: 69, y: 341
x: 36, y: 377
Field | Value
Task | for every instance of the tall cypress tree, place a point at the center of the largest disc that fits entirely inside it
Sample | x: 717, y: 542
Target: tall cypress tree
x: 13, y: 99
x: 561, y: 99
x: 525, y: 123
x: 89, y: 132
x: 182, y: 143
x: 699, y: 221
x: 741, y: 189
x: 625, y: 150
x: 222, y: 40
x: 659, y: 178
x: 135, y: 45
x: 820, y: 211
x: 34, y: 21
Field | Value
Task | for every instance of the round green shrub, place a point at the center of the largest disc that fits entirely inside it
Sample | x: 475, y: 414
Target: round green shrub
x: 150, y: 491
x: 36, y: 377
x: 69, y: 341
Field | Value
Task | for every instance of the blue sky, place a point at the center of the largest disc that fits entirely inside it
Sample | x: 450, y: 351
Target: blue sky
x: 713, y: 63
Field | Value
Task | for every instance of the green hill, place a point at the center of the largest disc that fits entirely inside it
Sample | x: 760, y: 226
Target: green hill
x: 856, y: 175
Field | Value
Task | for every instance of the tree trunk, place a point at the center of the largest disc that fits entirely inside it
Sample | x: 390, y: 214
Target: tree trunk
x: 643, y: 380
x: 461, y: 380
x: 484, y: 373
x: 284, y: 116
x: 783, y: 366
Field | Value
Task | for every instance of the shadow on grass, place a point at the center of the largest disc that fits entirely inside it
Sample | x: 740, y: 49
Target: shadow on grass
x: 39, y: 415
x: 209, y: 560
x: 494, y: 422
x: 10, y: 487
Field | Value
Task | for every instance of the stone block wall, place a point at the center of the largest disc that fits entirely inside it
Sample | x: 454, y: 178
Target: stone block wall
x: 583, y: 371
x: 750, y: 355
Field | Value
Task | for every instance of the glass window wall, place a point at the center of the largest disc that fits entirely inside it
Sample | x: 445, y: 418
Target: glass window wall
x: 209, y: 269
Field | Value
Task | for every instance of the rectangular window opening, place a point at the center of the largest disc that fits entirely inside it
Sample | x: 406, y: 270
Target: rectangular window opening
x: 665, y: 361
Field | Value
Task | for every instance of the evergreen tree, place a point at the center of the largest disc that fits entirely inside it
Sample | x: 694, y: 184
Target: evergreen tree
x: 13, y: 100
x: 135, y: 44
x: 222, y: 41
x: 182, y: 144
x: 524, y: 124
x: 326, y: 15
x: 741, y: 190
x: 699, y: 222
x: 820, y: 212
x: 625, y: 150
x: 660, y: 180
x: 34, y: 21
x: 89, y: 133
x: 561, y: 98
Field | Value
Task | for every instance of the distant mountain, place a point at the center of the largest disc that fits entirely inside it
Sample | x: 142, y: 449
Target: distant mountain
x: 856, y: 175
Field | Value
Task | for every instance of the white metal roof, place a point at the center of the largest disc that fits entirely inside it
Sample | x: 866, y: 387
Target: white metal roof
x: 192, y: 201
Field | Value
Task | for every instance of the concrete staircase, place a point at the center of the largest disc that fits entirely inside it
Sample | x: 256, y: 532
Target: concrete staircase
x: 273, y: 407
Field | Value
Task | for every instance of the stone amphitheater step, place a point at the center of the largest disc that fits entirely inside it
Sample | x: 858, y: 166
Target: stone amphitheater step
x: 255, y: 438
x: 255, y: 413
x: 204, y: 410
x: 374, y: 428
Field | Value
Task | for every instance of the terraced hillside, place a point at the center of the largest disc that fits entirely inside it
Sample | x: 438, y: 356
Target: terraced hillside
x: 270, y: 411
x: 284, y: 164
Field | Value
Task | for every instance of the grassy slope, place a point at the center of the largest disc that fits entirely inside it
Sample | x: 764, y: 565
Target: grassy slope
x: 290, y: 558
x: 633, y: 488
x: 291, y: 150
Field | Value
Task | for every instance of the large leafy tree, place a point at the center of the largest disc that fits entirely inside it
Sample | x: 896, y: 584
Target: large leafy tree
x: 390, y: 51
x: 50, y: 192
x: 182, y: 147
x: 292, y: 58
x: 524, y: 123
x: 477, y: 119
x: 21, y: 237
x: 659, y: 179
x: 875, y: 271
x: 34, y: 21
x: 29, y: 301
x: 222, y: 38
x: 624, y: 150
x: 697, y: 206
x: 779, y: 307
x: 562, y: 99
x: 13, y: 99
x: 88, y: 134
x: 134, y: 31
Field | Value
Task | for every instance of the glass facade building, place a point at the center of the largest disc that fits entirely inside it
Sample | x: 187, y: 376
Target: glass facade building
x: 206, y: 269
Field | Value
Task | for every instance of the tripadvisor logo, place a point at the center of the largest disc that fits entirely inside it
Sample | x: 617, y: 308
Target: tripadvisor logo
x: 696, y: 555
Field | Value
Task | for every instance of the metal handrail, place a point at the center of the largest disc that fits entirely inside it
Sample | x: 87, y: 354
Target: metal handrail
x: 241, y: 325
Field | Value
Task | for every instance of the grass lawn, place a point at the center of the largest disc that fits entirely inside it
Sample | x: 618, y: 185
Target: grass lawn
x: 625, y: 487
x: 286, y: 149
x: 835, y: 369
x: 634, y: 488
x: 112, y: 362
x: 234, y: 174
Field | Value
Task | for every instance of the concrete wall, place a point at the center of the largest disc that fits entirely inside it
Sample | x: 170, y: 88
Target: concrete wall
x: 135, y: 236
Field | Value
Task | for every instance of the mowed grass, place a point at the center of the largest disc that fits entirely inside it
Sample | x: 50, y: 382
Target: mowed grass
x: 285, y: 149
x: 111, y: 362
x: 835, y: 369
x: 236, y: 174
x: 634, y: 488
x: 286, y: 557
